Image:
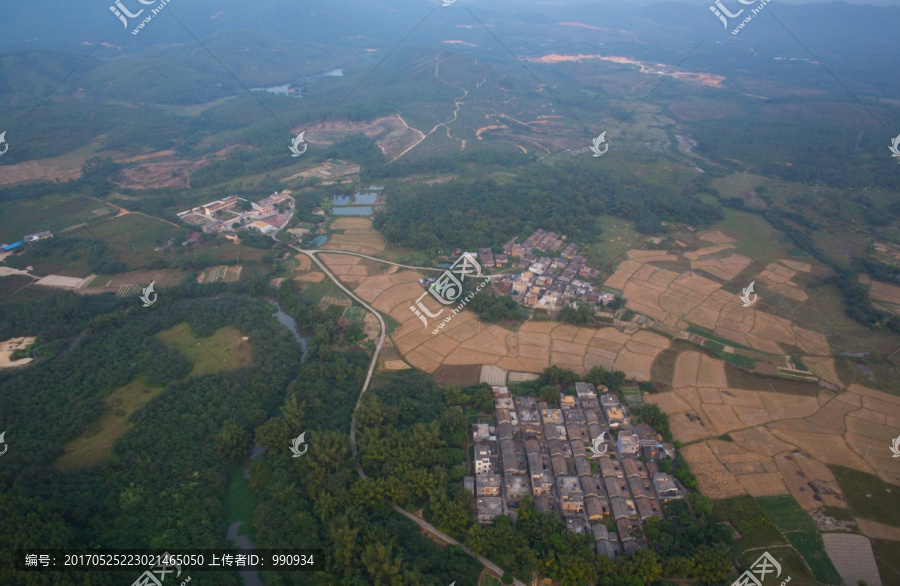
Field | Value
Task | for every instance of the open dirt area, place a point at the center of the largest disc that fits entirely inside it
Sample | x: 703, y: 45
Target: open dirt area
x: 391, y: 133
x: 7, y: 347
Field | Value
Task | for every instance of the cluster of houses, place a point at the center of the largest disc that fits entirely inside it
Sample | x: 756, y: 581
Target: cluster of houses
x: 548, y: 281
x: 220, y: 215
x: 564, y: 458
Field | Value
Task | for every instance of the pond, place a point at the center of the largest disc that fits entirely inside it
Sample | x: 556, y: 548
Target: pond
x: 364, y: 198
x: 353, y: 211
x: 283, y: 89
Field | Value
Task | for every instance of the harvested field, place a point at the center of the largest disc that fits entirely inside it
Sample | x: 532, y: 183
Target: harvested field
x: 395, y: 365
x: 724, y: 268
x: 715, y: 236
x: 792, y: 436
x: 713, y: 479
x: 358, y: 236
x: 877, y: 530
x: 884, y: 292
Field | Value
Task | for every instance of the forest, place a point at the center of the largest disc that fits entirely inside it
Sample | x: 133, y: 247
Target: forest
x: 567, y: 201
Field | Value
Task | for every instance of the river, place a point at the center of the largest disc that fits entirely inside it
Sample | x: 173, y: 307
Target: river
x: 289, y: 323
x: 251, y: 577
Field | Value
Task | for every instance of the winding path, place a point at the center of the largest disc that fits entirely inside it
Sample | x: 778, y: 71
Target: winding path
x: 420, y: 522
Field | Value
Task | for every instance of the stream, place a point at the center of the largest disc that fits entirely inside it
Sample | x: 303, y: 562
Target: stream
x: 251, y: 577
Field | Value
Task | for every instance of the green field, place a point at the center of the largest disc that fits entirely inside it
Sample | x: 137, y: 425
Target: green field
x: 12, y: 283
x: 869, y: 497
x: 55, y: 213
x: 96, y: 443
x: 717, y: 347
x: 224, y: 350
x: 756, y: 238
x: 791, y: 565
x: 711, y: 336
x: 744, y: 362
x: 887, y: 555
x: 800, y: 530
x: 748, y: 517
x: 314, y: 292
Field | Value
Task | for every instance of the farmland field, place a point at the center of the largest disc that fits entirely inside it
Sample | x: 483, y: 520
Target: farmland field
x: 800, y: 530
x: 53, y: 213
x: 868, y: 496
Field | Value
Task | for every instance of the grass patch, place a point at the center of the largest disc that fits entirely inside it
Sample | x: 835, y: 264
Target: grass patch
x: 95, y: 444
x: 800, y: 530
x: 489, y: 580
x: 391, y: 323
x: 745, y: 514
x: 740, y: 361
x: 798, y: 364
x: 54, y: 213
x: 314, y: 292
x: 756, y: 238
x: 711, y: 336
x: 887, y: 554
x: 223, y: 350
x: 869, y: 497
x: 717, y: 347
x: 240, y: 503
x: 791, y: 565
x: 12, y: 283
